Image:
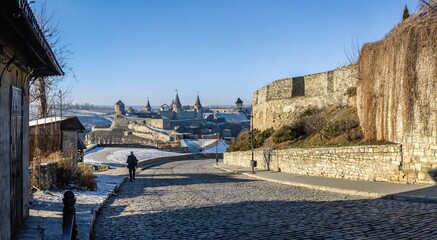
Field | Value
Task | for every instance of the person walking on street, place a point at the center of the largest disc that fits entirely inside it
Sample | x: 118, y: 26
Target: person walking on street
x: 132, y: 163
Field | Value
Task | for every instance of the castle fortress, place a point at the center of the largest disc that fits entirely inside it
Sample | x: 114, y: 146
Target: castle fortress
x: 171, y: 124
x: 176, y: 111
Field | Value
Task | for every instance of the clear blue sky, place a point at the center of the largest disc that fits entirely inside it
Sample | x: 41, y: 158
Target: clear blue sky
x: 223, y: 49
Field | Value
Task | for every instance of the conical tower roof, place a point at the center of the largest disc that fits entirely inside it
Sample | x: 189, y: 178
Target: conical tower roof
x: 197, y: 104
x: 177, y: 103
x: 148, y: 107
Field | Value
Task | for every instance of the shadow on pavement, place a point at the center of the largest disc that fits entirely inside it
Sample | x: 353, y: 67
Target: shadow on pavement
x: 359, y: 218
x: 355, y: 219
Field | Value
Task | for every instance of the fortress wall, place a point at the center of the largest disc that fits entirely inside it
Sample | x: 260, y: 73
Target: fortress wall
x: 370, y: 163
x: 187, y: 115
x: 291, y: 96
x: 397, y: 97
x: 279, y: 89
x: 158, y: 123
x: 316, y: 84
x: 144, y: 131
x: 260, y: 95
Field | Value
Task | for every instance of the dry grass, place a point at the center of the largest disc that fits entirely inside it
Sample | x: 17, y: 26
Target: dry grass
x: 66, y: 172
x: 324, y: 127
x: 86, y: 178
x: 338, y: 127
x: 389, y: 78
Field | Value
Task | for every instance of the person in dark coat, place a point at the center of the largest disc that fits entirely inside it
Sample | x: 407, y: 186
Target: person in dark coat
x: 132, y: 163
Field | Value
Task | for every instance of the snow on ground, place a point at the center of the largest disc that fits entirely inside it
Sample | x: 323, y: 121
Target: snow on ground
x: 117, y: 156
x: 84, y: 112
x: 196, y: 145
x: 219, y: 147
x: 94, y: 121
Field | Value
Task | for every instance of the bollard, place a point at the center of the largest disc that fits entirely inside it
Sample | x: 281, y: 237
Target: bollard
x: 69, y: 216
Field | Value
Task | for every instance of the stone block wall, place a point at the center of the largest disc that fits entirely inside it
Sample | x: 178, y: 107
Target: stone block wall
x: 158, y: 123
x: 93, y: 167
x: 279, y: 89
x: 370, y: 163
x: 280, y: 102
x: 145, y: 131
x: 44, y: 175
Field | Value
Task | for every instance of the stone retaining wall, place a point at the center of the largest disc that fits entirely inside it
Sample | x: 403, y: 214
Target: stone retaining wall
x: 370, y: 163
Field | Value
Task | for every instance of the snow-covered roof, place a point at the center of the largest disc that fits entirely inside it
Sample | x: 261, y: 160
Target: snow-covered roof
x: 233, y: 117
x: 46, y: 120
x: 71, y: 123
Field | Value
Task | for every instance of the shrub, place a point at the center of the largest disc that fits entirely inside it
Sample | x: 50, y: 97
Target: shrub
x: 352, y: 91
x: 261, y: 137
x: 314, y: 123
x: 243, y: 141
x: 310, y: 111
x: 65, y: 172
x: 338, y: 127
x: 289, y: 132
x: 86, y: 178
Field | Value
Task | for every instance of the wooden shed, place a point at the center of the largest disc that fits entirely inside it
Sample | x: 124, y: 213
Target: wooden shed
x: 48, y: 135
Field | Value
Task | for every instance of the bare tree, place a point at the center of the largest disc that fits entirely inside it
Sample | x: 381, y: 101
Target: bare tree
x: 314, y: 123
x: 44, y: 90
x: 353, y: 54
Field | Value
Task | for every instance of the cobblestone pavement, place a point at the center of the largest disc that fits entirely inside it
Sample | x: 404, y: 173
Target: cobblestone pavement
x: 192, y: 200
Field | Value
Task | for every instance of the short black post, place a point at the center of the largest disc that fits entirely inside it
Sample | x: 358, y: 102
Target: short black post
x: 216, y: 153
x: 69, y: 216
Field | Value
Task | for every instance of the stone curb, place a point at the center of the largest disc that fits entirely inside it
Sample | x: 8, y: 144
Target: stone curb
x: 329, y: 189
x: 399, y: 197
x: 97, y: 208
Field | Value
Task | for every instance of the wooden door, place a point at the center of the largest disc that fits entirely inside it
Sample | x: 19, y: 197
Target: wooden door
x: 16, y: 159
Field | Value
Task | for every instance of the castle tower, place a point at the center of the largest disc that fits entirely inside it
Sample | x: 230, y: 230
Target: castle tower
x: 239, y: 104
x: 119, y: 108
x: 177, y: 106
x: 148, y: 108
x: 198, y: 107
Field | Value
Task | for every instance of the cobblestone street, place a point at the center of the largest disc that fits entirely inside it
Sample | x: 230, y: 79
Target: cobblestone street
x: 193, y: 200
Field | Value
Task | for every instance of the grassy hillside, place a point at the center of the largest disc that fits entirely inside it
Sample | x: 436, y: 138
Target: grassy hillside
x: 314, y: 128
